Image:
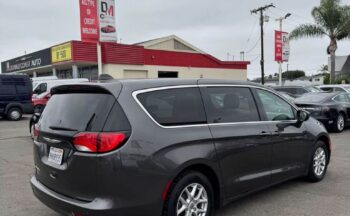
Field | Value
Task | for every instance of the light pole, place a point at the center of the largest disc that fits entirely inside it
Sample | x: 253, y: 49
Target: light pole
x: 280, y: 63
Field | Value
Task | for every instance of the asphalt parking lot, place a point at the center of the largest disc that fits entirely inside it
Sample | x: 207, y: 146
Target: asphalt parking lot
x: 329, y: 197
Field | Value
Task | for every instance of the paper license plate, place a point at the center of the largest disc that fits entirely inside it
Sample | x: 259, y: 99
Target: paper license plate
x: 56, y: 155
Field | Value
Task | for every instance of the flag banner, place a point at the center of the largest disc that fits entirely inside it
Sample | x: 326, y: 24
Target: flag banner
x: 89, y: 20
x: 107, y: 24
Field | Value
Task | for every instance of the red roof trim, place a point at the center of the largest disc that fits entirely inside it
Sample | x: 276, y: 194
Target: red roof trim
x: 114, y: 53
x: 184, y: 59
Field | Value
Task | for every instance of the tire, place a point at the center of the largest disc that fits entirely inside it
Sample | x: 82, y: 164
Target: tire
x: 339, y: 123
x: 14, y: 114
x: 38, y: 108
x: 194, y: 182
x: 319, y: 162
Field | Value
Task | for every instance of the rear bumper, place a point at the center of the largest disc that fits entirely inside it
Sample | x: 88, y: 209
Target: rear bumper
x: 67, y: 206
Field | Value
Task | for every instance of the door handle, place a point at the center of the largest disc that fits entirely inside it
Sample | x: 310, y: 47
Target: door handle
x: 264, y: 133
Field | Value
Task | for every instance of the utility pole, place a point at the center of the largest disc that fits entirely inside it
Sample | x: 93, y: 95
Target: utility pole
x: 280, y: 20
x: 261, y: 11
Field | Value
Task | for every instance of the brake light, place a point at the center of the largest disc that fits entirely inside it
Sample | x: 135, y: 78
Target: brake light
x: 98, y: 142
x: 35, y: 132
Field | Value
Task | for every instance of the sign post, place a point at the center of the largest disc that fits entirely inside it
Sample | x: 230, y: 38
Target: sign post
x: 97, y: 21
x: 281, y: 50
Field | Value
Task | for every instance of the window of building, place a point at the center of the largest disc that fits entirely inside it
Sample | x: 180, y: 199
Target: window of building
x: 230, y: 104
x: 168, y: 74
x: 65, y: 74
x: 171, y: 107
x: 90, y: 73
x: 276, y: 108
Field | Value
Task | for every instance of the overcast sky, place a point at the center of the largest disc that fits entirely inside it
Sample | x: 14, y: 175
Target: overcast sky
x: 217, y: 27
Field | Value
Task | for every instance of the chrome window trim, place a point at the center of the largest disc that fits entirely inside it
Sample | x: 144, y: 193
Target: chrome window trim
x: 137, y: 92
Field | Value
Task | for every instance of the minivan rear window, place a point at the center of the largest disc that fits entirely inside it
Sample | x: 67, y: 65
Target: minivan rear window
x: 77, y: 112
x: 170, y: 107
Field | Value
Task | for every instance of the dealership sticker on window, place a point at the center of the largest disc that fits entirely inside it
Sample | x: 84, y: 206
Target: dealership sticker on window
x: 61, y: 53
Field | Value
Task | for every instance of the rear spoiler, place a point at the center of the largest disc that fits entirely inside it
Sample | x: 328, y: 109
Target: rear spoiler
x: 113, y: 89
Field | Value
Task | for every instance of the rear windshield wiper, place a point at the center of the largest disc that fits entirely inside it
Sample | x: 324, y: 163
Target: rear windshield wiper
x: 62, y: 128
x: 90, y: 123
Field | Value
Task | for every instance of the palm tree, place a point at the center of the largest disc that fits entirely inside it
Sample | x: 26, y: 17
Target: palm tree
x: 331, y: 20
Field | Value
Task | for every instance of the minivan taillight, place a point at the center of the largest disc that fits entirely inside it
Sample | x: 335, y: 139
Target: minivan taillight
x: 98, y: 142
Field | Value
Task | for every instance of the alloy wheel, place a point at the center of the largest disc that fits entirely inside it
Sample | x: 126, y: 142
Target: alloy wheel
x: 340, y: 122
x: 15, y: 115
x: 193, y: 201
x: 319, y: 162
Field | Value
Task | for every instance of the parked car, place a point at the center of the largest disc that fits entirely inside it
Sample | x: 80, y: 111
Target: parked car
x: 169, y: 147
x: 335, y: 88
x: 40, y: 102
x: 15, y: 96
x: 296, y: 91
x: 44, y: 87
x: 36, y: 80
x: 332, y: 109
x: 108, y: 29
x: 288, y: 96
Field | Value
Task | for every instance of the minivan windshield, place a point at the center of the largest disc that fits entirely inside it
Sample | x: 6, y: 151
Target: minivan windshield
x: 76, y: 112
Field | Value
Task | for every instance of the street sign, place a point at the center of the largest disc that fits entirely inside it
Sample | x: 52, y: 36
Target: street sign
x: 107, y: 25
x: 61, y: 53
x: 281, y: 46
x: 89, y: 26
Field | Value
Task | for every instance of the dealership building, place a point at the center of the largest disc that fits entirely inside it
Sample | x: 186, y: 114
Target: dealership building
x: 159, y: 58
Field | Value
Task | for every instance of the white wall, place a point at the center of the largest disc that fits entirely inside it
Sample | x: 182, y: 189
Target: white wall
x: 117, y: 71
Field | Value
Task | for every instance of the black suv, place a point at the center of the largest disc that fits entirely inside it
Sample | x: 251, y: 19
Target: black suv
x: 15, y: 96
x: 296, y: 91
x: 169, y: 147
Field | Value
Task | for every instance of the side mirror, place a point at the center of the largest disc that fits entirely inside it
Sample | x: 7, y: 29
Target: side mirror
x: 302, y: 116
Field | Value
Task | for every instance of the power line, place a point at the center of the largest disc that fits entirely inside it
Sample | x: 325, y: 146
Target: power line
x: 254, y: 46
x: 295, y: 14
x: 251, y: 33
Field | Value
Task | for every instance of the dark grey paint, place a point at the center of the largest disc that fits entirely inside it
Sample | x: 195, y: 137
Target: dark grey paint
x: 130, y: 180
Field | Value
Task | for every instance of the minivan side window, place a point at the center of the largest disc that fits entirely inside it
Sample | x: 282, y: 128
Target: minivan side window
x: 171, y: 107
x: 276, y: 108
x: 230, y: 104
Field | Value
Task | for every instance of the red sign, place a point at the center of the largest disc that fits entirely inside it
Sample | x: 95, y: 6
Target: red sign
x: 89, y: 26
x: 278, y: 46
x: 281, y: 46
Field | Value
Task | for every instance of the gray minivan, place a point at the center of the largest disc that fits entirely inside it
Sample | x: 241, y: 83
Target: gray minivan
x: 169, y: 147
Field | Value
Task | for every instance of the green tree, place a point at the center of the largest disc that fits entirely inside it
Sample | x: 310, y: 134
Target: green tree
x: 332, y: 20
x: 293, y: 74
x: 324, y: 68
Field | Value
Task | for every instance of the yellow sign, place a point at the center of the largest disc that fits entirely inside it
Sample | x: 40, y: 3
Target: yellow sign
x: 61, y: 53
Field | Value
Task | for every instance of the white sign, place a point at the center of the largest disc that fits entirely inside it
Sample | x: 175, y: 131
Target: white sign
x: 106, y: 13
x: 285, y: 47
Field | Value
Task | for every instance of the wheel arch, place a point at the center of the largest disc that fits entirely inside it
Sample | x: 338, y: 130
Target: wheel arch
x: 326, y: 139
x: 13, y: 105
x: 210, y: 173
